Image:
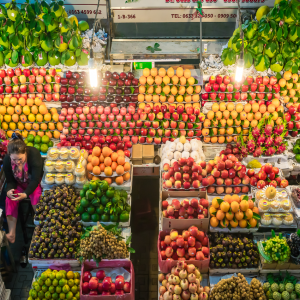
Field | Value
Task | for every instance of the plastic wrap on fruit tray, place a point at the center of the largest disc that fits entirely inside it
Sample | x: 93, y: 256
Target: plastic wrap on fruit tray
x: 278, y: 219
x: 63, y: 153
x: 59, y: 166
x: 275, y: 206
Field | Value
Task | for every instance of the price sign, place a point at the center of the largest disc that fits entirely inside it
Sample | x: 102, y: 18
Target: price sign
x: 142, y: 4
x: 173, y: 15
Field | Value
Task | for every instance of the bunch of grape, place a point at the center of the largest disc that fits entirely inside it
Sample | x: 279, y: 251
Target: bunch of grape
x: 277, y: 248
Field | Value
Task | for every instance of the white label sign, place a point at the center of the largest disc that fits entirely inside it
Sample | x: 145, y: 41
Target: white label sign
x: 188, y: 3
x: 173, y: 15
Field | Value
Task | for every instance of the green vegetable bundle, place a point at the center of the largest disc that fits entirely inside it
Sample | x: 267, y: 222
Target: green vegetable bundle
x: 40, y: 32
x: 272, y: 42
x: 100, y: 202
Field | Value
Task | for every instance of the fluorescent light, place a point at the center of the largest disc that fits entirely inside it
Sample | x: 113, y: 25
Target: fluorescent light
x: 92, y: 71
x: 239, y: 70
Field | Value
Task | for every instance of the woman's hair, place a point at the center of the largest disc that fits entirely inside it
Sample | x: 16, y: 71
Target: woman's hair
x: 16, y: 145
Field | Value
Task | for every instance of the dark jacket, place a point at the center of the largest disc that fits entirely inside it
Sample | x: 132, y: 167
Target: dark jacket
x: 35, y: 169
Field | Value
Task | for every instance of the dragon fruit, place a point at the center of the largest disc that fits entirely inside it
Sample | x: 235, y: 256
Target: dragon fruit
x: 278, y: 130
x: 268, y: 130
x: 261, y: 140
x: 255, y: 132
x: 251, y: 146
x: 281, y: 148
x: 269, y: 141
x: 278, y: 140
x: 270, y: 151
x: 244, y: 151
x: 2, y: 134
x: 258, y: 152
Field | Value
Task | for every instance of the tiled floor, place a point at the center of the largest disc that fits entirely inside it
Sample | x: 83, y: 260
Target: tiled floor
x: 144, y: 226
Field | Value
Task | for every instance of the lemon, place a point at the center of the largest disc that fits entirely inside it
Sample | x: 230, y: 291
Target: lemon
x: 48, y: 282
x: 74, y: 289
x: 62, y: 296
x: 45, y: 288
x: 69, y: 295
x: 77, y: 295
x: 51, y: 275
x: 62, y: 282
x: 262, y: 11
x: 51, y: 289
x: 58, y: 275
x: 58, y: 289
x: 70, y: 275
x: 76, y: 276
x: 70, y: 282
x: 65, y: 289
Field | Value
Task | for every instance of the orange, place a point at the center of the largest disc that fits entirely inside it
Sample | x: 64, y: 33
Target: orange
x: 107, y: 162
x: 239, y: 215
x: 6, y: 101
x: 38, y: 101
x: 22, y: 101
x: 89, y: 167
x: 229, y: 216
x: 59, y: 126
x: 121, y: 160
x: 236, y: 198
x: 212, y: 210
x: 39, y: 118
x: 106, y: 151
x: 35, y: 126
x: 2, y: 110
x: 143, y: 80
x: 49, y: 134
x: 150, y: 80
x: 18, y: 109
x: 10, y: 110
x: 51, y: 126
x: 90, y: 157
x: 120, y: 153
x: 102, y: 167
x: 23, y: 118
x: 101, y: 158
x: 243, y: 223
x: 253, y: 222
x: 142, y: 89
x: 96, y: 170
x: 220, y: 215
x: 114, y: 166
x: 224, y: 223
x: 214, y: 222
x: 43, y: 126
x: 119, y: 170
x: 244, y: 205
x: 96, y: 151
x: 234, y: 223
x: 15, y: 118
x: 28, y: 126
x: 32, y: 132
x: 225, y: 206
x: 13, y: 101
x: 126, y: 166
x: 30, y: 102
x: 235, y: 207
x: 108, y: 171
x: 114, y: 156
x: 47, y: 117
x: 249, y: 214
x: 26, y: 110
x: 126, y: 176
x: 227, y: 198
x: 95, y: 161
x: 43, y: 109
x: 34, y: 109
x: 119, y: 180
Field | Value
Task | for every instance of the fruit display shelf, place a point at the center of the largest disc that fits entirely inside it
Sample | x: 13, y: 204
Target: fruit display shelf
x: 233, y: 230
x: 121, y: 224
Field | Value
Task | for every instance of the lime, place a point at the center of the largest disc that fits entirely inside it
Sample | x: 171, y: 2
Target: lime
x: 45, y: 139
x: 29, y: 144
x: 86, y: 186
x: 64, y: 272
x: 65, y: 289
x: 30, y: 138
x: 48, y: 295
x: 85, y: 217
x: 51, y: 289
x: 84, y: 202
x: 37, y: 146
x: 51, y: 275
x: 58, y: 276
x: 62, y: 296
x: 80, y: 209
x: 44, y: 288
x: 29, y: 298
x: 62, y: 282
x: 77, y: 281
x: 37, y: 139
x: 55, y: 296
x: 37, y: 287
x: 33, y: 294
x: 44, y: 148
x: 90, y: 195
x: 58, y: 289
x: 74, y: 289
x: 82, y: 193
x: 70, y: 282
x: 93, y: 186
x: 50, y: 144
x: 41, y: 294
x: 48, y: 282
x: 100, y: 209
x: 55, y: 282
x: 90, y: 210
x: 83, y: 25
x: 77, y: 295
x: 40, y: 281
x: 95, y: 218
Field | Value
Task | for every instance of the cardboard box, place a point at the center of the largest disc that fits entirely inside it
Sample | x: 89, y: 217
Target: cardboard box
x: 180, y: 224
x: 137, y: 154
x: 90, y: 265
x: 265, y: 265
x: 283, y: 266
x: 166, y: 266
x: 294, y: 266
x: 148, y: 154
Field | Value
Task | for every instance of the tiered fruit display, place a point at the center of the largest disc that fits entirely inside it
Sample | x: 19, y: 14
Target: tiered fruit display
x: 281, y: 287
x: 184, y: 282
x: 290, y: 87
x: 168, y: 86
x: 233, y: 211
x: 233, y: 251
x: 185, y: 174
x: 238, y: 285
x: 30, y: 83
x: 191, y: 244
x: 100, y: 202
x: 41, y: 33
x: 227, y: 175
x: 264, y: 89
x: 271, y: 41
x: 29, y: 116
x: 104, y: 285
x: 267, y: 175
x: 275, y: 249
x: 292, y: 116
x: 55, y: 284
x: 59, y: 231
x: 109, y: 165
x: 98, y: 241
x: 186, y: 209
x: 267, y: 138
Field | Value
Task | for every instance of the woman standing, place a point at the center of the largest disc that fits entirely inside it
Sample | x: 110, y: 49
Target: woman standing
x: 23, y: 168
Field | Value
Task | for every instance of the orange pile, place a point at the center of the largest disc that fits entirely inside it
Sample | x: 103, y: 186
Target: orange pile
x: 233, y: 210
x: 106, y: 161
x: 29, y: 116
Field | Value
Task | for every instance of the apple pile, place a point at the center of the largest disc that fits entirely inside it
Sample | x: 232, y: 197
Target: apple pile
x: 30, y: 83
x: 227, y: 175
x: 267, y: 175
x: 239, y: 151
x: 186, y: 209
x: 292, y: 116
x: 115, y: 88
x: 192, y: 244
x: 184, y: 174
x: 225, y: 88
x: 103, y: 285
x: 267, y: 138
x: 184, y: 282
